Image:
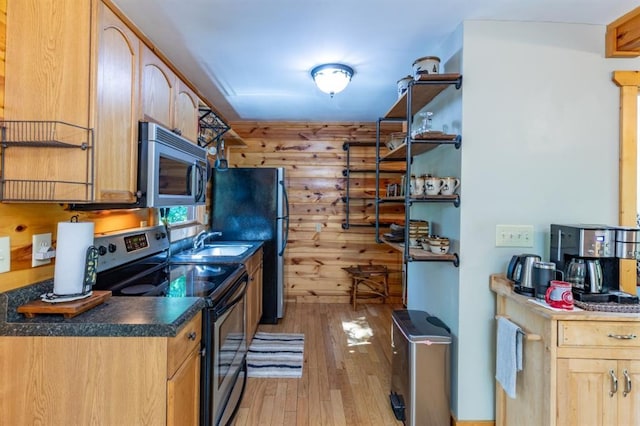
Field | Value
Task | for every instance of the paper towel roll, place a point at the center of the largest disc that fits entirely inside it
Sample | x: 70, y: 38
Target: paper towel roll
x: 73, y: 240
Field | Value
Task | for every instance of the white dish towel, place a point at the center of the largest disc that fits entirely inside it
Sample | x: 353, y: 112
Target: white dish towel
x: 508, y: 355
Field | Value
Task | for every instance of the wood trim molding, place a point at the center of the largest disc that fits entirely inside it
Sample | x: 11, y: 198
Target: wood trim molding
x: 455, y: 422
x: 622, y: 39
x: 629, y: 82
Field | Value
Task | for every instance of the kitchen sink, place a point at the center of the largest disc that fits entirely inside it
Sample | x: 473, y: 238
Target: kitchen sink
x: 215, y: 250
x: 222, y: 250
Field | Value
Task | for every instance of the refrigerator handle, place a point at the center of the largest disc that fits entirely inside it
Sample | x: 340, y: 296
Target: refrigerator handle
x: 286, y: 218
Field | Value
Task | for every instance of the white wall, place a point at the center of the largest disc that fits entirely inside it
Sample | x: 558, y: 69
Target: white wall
x: 540, y: 145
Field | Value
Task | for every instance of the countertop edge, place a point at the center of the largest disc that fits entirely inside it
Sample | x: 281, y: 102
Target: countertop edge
x: 152, y: 316
x: 502, y: 286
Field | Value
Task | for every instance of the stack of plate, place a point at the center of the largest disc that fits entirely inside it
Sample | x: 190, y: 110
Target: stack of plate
x: 417, y: 230
x: 396, y: 235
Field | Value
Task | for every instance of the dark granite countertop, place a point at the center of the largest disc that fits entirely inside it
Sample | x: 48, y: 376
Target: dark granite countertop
x: 117, y: 317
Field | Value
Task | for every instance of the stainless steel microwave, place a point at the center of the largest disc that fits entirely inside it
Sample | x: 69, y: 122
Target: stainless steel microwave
x: 173, y: 171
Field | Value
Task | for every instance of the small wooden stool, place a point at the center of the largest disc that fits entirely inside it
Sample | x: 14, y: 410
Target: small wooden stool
x: 368, y: 281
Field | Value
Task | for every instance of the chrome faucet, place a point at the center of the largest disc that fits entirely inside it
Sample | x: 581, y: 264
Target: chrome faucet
x: 198, y: 240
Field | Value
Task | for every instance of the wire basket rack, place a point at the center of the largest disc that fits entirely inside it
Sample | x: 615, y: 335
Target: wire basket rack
x: 46, y: 161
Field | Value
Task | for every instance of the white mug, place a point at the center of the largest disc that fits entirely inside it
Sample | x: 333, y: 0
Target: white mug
x: 418, y: 188
x: 433, y: 185
x: 449, y: 185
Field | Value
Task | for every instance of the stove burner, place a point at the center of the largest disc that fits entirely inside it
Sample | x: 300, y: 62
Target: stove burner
x: 136, y: 290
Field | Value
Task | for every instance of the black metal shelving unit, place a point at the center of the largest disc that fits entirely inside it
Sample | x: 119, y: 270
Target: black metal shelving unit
x: 419, y: 93
x: 347, y: 172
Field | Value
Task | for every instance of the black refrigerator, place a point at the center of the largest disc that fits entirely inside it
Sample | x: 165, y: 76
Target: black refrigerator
x: 250, y: 204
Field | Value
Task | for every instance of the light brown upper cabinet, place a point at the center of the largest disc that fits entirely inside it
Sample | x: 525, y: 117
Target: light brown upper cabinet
x: 166, y: 99
x: 186, y: 111
x: 77, y: 63
x: 116, y: 112
x: 90, y: 76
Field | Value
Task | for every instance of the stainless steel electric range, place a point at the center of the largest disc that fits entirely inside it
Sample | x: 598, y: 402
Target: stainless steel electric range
x: 137, y: 263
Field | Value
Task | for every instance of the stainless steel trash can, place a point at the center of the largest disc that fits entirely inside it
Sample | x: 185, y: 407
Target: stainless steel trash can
x: 420, y: 371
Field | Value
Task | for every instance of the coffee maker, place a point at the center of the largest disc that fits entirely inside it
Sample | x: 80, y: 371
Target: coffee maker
x: 592, y: 247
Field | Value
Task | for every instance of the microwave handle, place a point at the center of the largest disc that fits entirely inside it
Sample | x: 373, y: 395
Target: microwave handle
x: 197, y: 180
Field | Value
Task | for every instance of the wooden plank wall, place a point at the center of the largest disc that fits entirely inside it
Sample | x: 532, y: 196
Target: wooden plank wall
x: 314, y: 159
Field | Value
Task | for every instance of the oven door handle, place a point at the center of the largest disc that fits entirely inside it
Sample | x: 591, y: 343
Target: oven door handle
x: 225, y: 305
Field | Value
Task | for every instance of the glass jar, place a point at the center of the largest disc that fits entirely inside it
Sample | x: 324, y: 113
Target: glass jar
x: 423, y: 123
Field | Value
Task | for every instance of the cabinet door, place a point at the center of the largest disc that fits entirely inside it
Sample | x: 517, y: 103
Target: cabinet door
x: 251, y: 309
x: 47, y: 77
x: 116, y: 153
x: 629, y: 404
x: 183, y: 393
x: 258, y: 281
x: 254, y: 295
x: 47, y: 66
x: 186, y: 111
x: 158, y: 86
x: 584, y: 392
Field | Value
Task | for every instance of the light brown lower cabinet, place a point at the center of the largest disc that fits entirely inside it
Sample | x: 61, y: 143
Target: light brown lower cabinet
x: 101, y: 380
x: 580, y: 368
x: 598, y: 391
x: 254, y: 294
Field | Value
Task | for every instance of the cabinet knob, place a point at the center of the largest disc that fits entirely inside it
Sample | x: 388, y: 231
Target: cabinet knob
x: 192, y: 335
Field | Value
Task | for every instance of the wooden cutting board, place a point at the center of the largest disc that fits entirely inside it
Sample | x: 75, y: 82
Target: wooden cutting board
x: 67, y: 309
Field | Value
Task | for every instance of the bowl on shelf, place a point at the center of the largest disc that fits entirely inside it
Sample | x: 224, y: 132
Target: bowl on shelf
x: 418, y: 229
x: 438, y: 245
x: 439, y: 248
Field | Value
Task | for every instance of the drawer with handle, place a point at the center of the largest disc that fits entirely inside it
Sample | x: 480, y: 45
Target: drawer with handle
x: 183, y: 344
x: 599, y: 333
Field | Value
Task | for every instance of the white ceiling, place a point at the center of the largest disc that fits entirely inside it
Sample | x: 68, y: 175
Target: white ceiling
x: 252, y: 58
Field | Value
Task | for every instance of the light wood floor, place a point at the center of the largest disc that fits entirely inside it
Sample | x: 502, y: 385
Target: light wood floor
x: 346, y: 372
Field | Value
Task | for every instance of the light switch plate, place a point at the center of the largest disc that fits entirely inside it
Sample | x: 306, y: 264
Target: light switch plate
x: 40, y: 242
x: 514, y: 235
x: 5, y: 254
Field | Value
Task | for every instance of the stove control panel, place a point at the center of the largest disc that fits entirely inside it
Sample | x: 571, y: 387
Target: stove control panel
x: 120, y: 247
x: 136, y: 242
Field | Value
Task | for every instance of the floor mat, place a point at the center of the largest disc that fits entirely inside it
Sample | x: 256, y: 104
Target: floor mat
x: 277, y: 355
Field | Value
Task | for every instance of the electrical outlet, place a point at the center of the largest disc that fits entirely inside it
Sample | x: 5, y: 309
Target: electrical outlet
x: 41, y: 243
x: 5, y: 254
x: 318, y: 227
x: 514, y: 235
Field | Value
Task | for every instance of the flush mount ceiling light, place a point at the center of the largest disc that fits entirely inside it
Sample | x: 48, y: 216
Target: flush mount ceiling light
x: 332, y: 78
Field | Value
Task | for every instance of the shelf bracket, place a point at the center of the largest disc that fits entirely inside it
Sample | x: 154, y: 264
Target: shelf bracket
x: 459, y: 82
x: 458, y: 141
x: 455, y: 260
